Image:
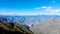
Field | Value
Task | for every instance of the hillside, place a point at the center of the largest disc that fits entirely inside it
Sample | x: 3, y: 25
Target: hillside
x: 9, y: 28
x: 48, y: 27
x: 37, y: 24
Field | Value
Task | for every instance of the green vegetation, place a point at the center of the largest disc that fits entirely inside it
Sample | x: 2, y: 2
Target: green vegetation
x: 13, y: 28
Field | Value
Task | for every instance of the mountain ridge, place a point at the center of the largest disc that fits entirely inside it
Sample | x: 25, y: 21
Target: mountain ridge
x: 13, y: 28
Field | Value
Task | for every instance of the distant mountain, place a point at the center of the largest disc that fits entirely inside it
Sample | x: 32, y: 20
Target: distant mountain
x: 33, y: 22
x: 25, y: 20
x: 50, y: 25
x: 29, y: 21
x: 2, y: 19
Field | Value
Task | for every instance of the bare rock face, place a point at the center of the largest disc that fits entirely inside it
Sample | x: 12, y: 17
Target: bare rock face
x: 48, y: 27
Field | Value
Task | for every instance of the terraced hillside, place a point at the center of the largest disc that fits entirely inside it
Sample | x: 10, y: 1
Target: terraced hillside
x: 9, y: 28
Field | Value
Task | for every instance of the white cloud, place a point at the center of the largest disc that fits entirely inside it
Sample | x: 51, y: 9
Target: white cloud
x: 37, y: 8
x: 6, y: 13
x: 17, y: 13
x: 46, y: 7
x: 43, y: 7
x: 49, y: 11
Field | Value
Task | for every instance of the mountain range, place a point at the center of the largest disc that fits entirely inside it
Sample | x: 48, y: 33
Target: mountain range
x: 38, y: 24
x: 30, y: 21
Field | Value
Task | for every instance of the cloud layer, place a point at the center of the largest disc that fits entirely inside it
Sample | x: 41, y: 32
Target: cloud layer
x: 44, y: 10
x: 48, y: 10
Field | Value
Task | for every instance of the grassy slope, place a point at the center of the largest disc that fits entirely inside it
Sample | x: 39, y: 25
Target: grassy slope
x: 17, y: 28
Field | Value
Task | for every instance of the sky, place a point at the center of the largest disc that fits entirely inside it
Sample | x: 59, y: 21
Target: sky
x: 29, y: 7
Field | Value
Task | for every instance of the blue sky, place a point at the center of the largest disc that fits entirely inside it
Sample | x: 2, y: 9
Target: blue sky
x: 29, y: 7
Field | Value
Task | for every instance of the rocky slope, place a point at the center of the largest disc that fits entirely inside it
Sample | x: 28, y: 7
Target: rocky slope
x: 48, y: 27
